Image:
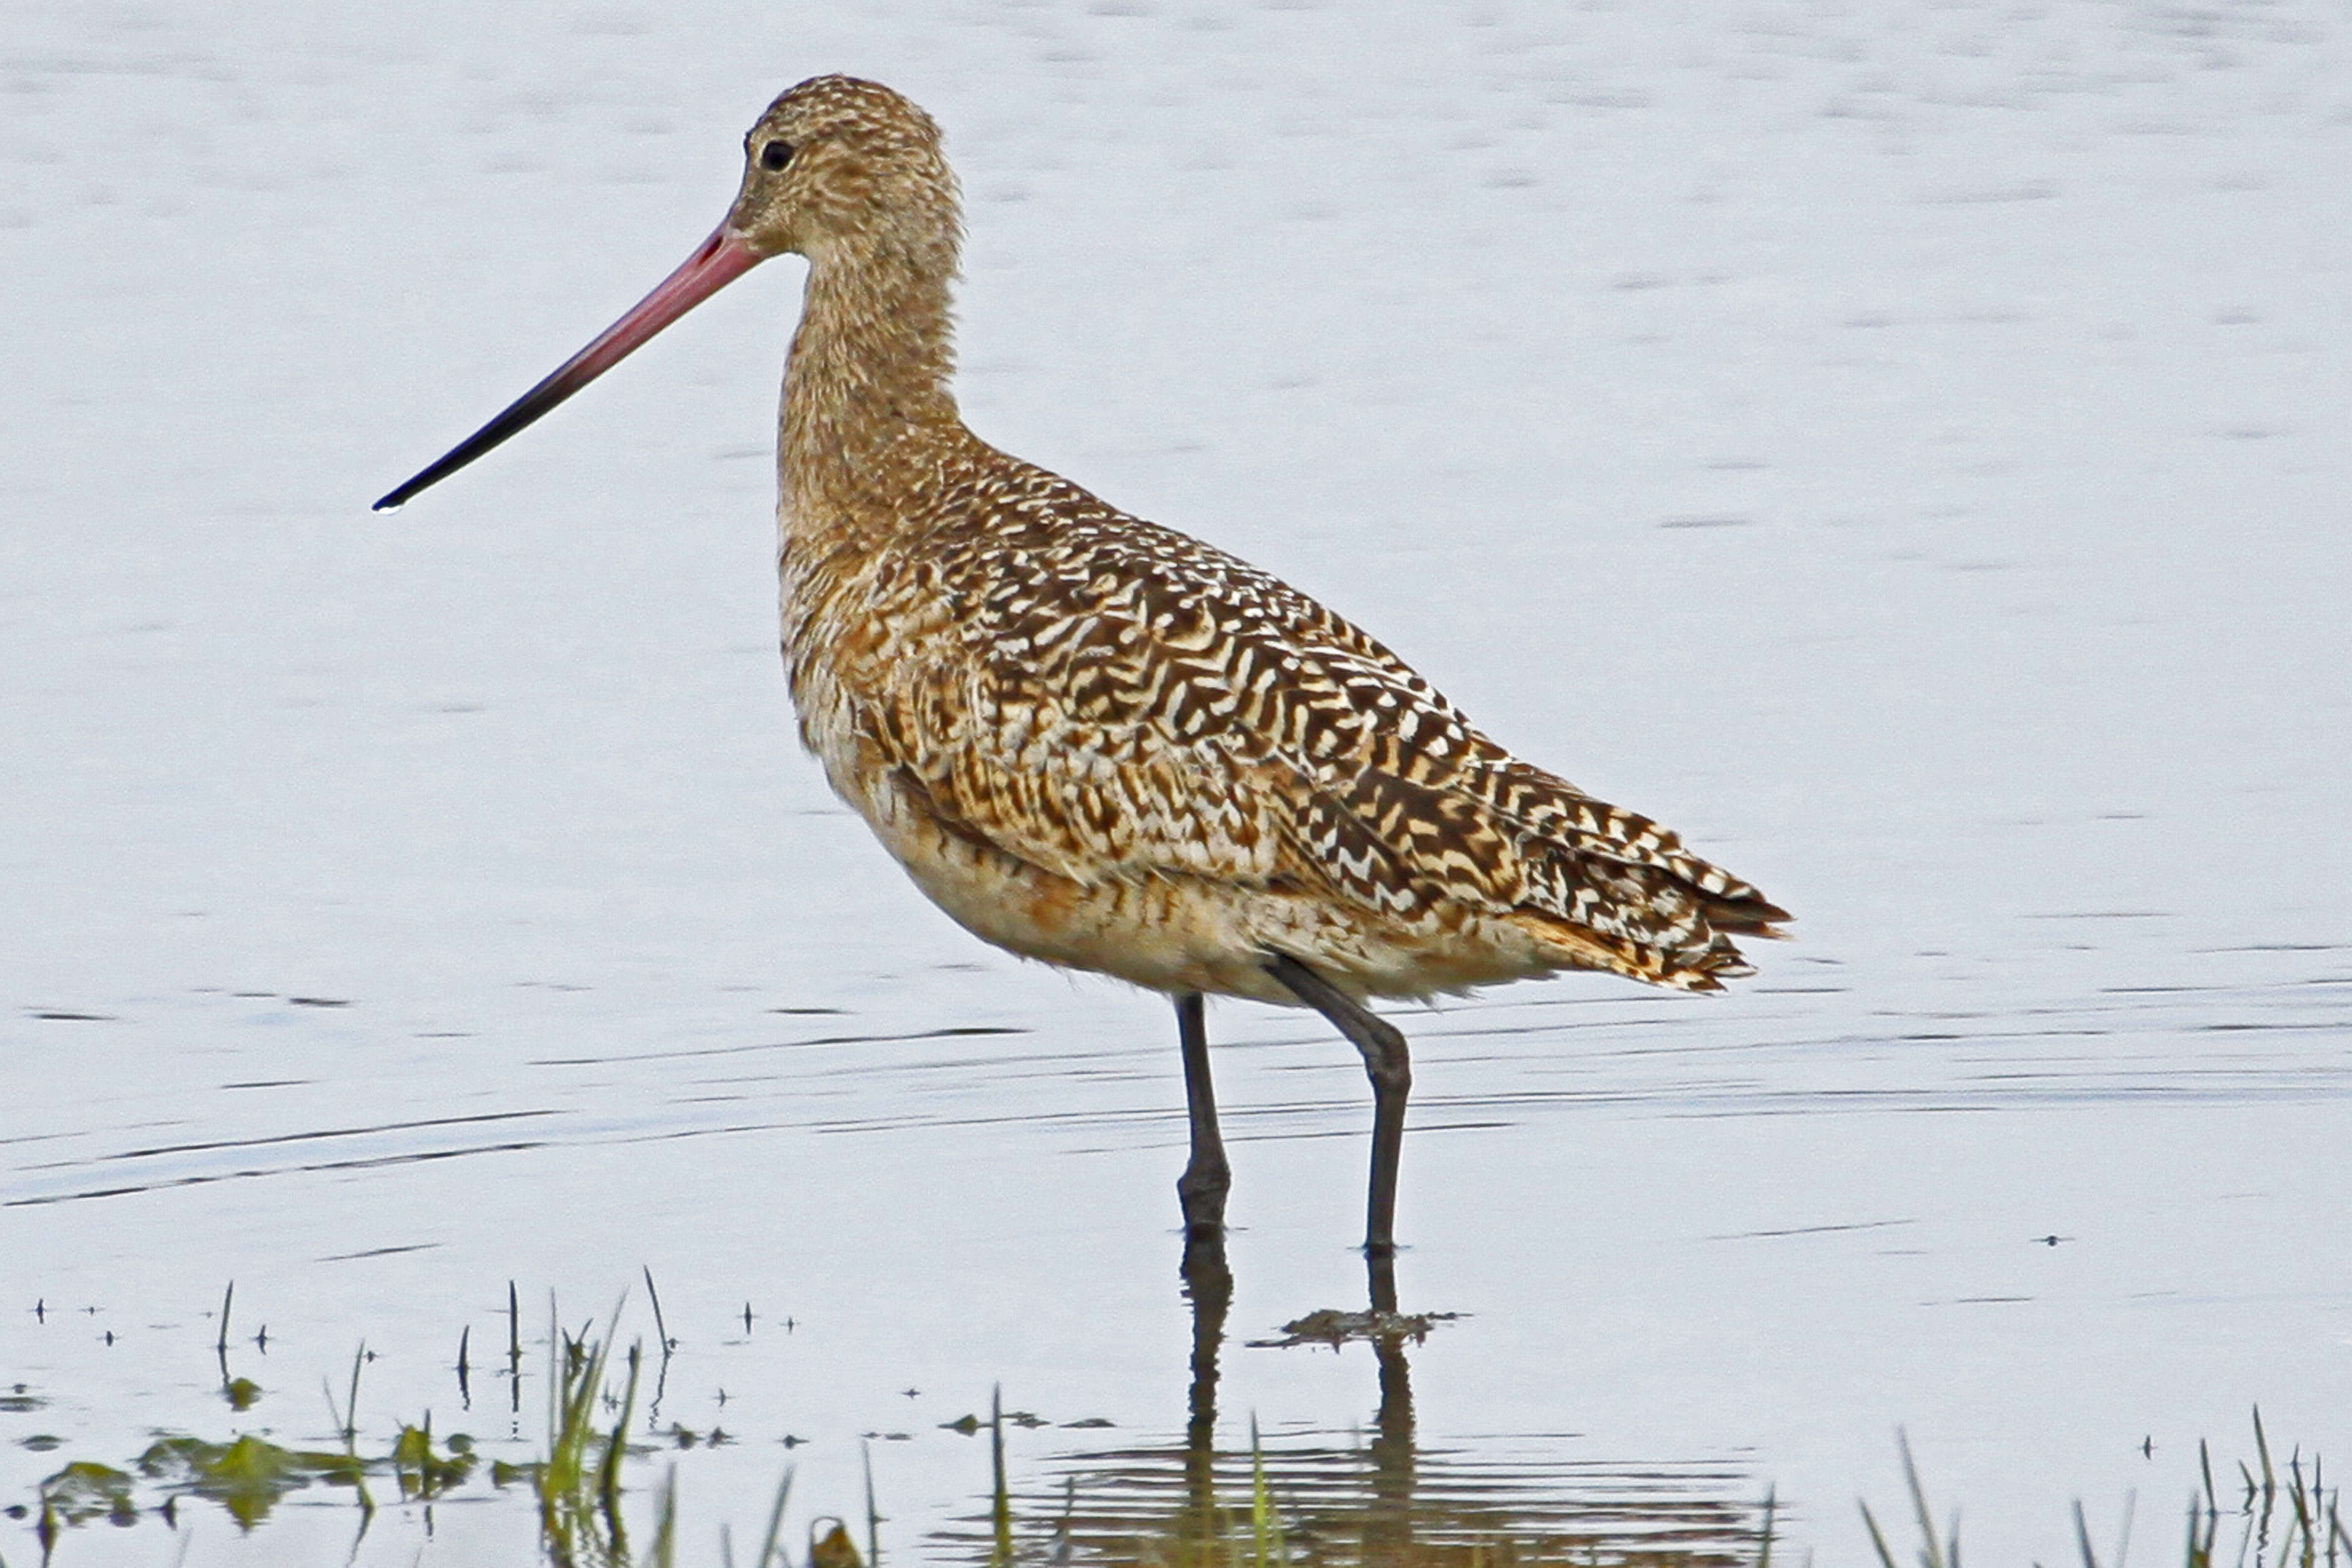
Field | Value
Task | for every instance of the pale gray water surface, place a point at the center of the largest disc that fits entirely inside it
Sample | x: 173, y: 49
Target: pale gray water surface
x: 1903, y: 447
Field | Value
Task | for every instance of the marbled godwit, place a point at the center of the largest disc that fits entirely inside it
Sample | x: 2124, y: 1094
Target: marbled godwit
x: 1102, y: 743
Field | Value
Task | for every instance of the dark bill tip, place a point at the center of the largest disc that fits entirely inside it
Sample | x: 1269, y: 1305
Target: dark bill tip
x: 717, y: 262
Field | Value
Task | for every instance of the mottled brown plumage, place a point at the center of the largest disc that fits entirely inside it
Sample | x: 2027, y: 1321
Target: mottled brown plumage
x: 1102, y: 743
x: 1135, y: 754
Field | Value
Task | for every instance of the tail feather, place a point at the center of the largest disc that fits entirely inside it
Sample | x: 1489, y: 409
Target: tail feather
x: 1631, y: 894
x: 1602, y: 887
x: 1750, y: 916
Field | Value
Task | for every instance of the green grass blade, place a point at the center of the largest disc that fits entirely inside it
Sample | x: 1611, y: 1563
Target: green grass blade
x: 873, y: 1513
x: 1930, y: 1554
x: 2083, y: 1537
x: 770, y: 1551
x: 1877, y: 1536
x: 1001, y: 1509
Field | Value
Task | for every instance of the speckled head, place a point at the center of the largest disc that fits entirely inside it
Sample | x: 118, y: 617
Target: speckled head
x: 837, y: 161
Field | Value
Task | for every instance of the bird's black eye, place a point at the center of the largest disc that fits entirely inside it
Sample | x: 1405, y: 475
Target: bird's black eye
x: 775, y: 154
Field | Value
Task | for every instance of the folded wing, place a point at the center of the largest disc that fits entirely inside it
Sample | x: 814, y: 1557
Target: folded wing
x: 1119, y: 700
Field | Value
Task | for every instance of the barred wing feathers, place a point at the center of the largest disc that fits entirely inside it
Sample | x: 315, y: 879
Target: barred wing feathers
x: 1115, y: 700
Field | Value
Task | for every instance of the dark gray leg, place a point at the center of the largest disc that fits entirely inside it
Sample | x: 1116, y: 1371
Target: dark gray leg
x: 1201, y: 1188
x: 1388, y: 1063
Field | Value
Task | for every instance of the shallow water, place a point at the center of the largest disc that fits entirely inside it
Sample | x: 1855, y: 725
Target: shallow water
x: 1902, y: 450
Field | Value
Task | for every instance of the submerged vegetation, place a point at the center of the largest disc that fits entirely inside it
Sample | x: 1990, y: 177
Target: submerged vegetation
x: 1377, y: 1498
x: 247, y: 1475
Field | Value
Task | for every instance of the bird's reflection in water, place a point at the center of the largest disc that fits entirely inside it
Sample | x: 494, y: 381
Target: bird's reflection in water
x: 1368, y: 1498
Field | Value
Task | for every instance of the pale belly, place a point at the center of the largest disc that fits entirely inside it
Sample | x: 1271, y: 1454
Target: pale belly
x: 1177, y: 933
